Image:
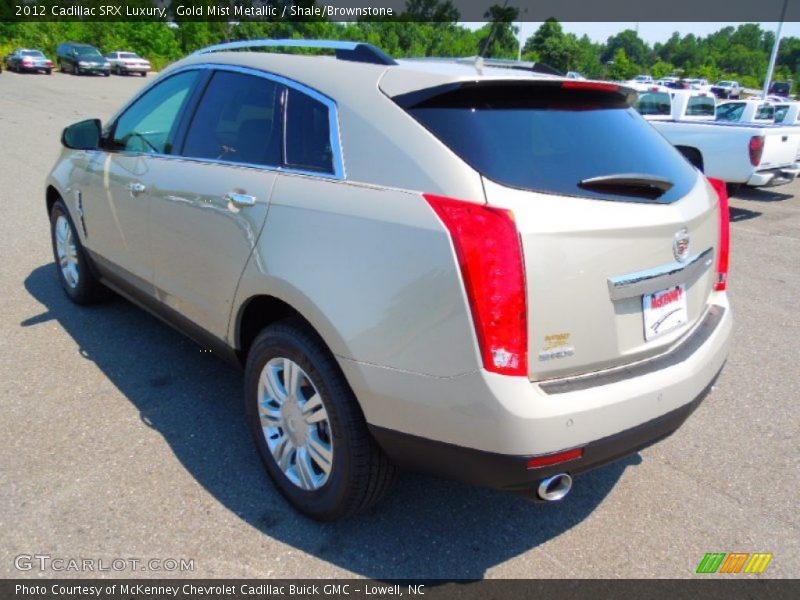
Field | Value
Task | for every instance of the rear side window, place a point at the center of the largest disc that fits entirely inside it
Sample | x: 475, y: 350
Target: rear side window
x: 653, y: 103
x: 700, y: 106
x: 545, y: 138
x: 238, y: 120
x: 308, y: 134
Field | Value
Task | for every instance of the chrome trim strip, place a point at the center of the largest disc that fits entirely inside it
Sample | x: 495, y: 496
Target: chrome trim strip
x: 659, y: 278
x: 333, y: 120
x: 677, y: 354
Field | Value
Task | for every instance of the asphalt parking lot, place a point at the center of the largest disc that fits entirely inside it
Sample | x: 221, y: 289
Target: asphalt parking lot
x: 122, y: 439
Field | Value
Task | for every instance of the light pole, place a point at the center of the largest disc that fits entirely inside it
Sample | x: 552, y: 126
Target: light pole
x: 775, y: 47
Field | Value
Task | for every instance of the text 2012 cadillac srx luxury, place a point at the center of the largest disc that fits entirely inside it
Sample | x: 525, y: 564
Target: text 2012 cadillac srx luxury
x: 500, y: 276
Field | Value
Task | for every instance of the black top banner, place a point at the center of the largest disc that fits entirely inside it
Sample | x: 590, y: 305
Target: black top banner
x: 719, y: 11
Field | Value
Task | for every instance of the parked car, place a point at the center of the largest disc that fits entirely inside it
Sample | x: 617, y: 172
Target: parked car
x: 746, y: 111
x: 727, y: 89
x: 737, y: 153
x: 26, y: 60
x: 127, y: 63
x: 639, y: 83
x: 81, y: 59
x: 781, y: 88
x: 431, y: 265
x: 701, y: 85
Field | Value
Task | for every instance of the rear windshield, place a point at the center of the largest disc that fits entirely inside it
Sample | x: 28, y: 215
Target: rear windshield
x: 730, y: 112
x: 546, y: 138
x: 700, y: 106
x: 653, y: 103
x: 32, y: 53
x: 780, y: 112
x: 765, y: 112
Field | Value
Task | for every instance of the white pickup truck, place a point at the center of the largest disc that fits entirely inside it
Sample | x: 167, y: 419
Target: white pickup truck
x: 738, y: 153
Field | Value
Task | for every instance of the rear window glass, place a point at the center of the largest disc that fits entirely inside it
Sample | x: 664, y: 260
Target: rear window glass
x: 549, y: 139
x: 653, y: 103
x: 765, y: 112
x: 700, y: 106
x: 780, y: 113
x: 730, y: 112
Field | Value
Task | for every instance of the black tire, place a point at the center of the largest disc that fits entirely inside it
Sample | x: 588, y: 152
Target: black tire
x: 360, y: 474
x: 144, y: 73
x: 107, y: 73
x: 49, y: 71
x: 88, y: 289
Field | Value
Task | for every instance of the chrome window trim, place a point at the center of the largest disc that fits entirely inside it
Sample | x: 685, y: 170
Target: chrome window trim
x: 658, y: 278
x: 333, y: 122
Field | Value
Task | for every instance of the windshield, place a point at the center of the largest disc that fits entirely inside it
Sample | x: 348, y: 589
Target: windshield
x: 780, y: 112
x: 128, y: 55
x: 34, y: 53
x: 88, y: 52
x: 725, y: 84
x: 549, y: 139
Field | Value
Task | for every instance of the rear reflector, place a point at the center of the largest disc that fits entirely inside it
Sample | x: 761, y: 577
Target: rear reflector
x: 756, y: 148
x: 590, y: 85
x: 723, y: 252
x: 554, y: 459
x: 489, y: 253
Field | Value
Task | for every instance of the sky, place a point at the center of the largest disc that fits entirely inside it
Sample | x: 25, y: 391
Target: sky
x: 649, y: 32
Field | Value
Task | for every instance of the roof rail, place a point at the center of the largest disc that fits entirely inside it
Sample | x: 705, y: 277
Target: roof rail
x: 506, y: 63
x: 344, y: 50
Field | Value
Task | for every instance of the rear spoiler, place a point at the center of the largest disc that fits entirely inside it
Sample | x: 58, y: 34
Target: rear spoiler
x: 505, y: 93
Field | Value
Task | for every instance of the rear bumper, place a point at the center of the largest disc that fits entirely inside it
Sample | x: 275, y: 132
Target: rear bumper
x: 773, y: 177
x: 481, y: 419
x: 511, y: 473
x: 133, y: 69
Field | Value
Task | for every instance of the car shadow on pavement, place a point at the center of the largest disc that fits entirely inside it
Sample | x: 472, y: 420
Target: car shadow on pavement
x: 761, y: 194
x: 427, y: 528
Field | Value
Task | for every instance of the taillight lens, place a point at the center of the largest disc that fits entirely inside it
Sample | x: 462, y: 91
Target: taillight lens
x: 489, y: 253
x: 590, y: 85
x: 724, y: 234
x: 756, y: 148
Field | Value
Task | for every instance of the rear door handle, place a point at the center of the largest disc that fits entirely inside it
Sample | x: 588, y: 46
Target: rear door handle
x: 240, y: 199
x: 137, y: 188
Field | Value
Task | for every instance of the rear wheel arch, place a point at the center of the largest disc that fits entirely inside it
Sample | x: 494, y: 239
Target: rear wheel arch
x: 261, y: 311
x: 51, y: 196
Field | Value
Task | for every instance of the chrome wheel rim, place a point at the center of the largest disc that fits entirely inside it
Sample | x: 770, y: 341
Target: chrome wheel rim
x: 295, y: 423
x: 67, y: 252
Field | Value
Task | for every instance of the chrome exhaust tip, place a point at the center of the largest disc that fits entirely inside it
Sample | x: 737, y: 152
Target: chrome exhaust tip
x: 555, y: 487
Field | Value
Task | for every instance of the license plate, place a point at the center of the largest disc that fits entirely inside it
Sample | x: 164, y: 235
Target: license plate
x: 664, y: 311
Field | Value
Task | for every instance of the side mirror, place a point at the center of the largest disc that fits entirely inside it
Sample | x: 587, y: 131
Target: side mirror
x: 84, y: 135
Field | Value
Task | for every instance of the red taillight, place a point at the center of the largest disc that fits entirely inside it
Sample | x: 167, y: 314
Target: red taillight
x: 554, y: 459
x: 590, y: 85
x: 756, y: 148
x: 489, y: 253
x: 724, y: 234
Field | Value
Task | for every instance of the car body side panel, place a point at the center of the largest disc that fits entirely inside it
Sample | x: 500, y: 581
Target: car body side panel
x: 371, y: 269
x: 201, y: 239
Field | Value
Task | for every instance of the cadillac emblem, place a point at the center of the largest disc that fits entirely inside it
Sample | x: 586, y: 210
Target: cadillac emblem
x: 680, y: 247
